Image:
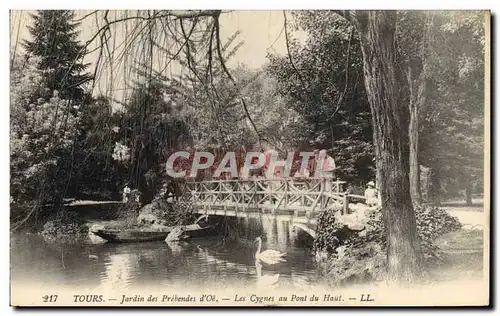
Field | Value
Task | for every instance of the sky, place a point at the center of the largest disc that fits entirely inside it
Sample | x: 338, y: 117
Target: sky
x: 261, y: 31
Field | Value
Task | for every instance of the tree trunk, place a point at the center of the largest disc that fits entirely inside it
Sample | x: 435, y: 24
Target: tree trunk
x: 377, y: 186
x: 435, y: 186
x: 384, y: 86
x: 416, y: 76
x: 415, y: 190
x: 416, y: 84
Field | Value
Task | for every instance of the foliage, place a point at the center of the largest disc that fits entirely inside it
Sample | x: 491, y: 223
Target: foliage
x: 217, y: 119
x: 95, y: 174
x: 452, y: 129
x: 64, y: 226
x: 55, y: 45
x: 172, y: 213
x: 359, y: 256
x: 151, y: 127
x: 127, y: 213
x: 433, y: 222
x: 121, y: 152
x: 325, y: 86
x: 54, y: 42
x: 276, y: 122
x: 42, y: 134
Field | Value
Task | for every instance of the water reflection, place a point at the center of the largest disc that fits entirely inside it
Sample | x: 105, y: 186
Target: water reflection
x: 265, y: 281
x: 211, y: 261
x: 119, y: 271
x: 177, y: 247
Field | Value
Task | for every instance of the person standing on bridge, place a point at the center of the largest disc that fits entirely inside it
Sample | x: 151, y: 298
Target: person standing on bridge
x: 327, y: 164
x: 325, y: 169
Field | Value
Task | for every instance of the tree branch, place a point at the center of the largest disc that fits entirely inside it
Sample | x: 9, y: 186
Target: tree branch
x: 342, y: 94
x: 226, y: 71
x: 290, y: 55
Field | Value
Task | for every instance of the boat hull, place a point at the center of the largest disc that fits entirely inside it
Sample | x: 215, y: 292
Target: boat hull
x: 143, y: 235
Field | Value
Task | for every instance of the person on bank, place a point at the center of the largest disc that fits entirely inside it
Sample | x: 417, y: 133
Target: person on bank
x: 126, y: 194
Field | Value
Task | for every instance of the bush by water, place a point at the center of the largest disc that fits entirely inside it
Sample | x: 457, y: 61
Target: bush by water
x: 64, y: 226
x: 355, y: 256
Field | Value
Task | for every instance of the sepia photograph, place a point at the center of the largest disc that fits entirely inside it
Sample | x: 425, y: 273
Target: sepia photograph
x: 249, y: 158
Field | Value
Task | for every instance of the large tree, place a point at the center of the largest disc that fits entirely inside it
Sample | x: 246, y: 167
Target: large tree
x: 384, y: 83
x: 89, y: 170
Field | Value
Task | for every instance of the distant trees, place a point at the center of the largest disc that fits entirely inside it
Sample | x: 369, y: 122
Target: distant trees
x: 322, y: 81
x: 277, y: 122
x: 452, y: 121
x: 441, y: 51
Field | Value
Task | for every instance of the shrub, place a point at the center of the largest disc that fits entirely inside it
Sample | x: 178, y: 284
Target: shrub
x: 42, y: 127
x: 359, y: 256
x: 64, y: 226
x: 164, y: 212
x: 127, y: 213
x: 180, y: 213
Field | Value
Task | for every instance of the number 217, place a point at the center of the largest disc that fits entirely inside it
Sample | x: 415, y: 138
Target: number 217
x: 49, y: 298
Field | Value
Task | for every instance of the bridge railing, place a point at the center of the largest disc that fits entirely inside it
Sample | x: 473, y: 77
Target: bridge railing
x: 288, y: 194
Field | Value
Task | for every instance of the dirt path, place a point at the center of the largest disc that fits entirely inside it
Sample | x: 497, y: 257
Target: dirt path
x: 471, y: 220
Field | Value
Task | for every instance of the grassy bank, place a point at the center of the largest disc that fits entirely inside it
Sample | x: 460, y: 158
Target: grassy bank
x: 462, y: 256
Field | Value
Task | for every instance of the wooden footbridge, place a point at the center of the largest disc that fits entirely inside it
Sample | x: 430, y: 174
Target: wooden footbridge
x: 300, y: 199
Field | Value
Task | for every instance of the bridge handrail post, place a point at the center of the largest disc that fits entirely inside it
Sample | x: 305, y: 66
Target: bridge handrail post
x: 269, y: 192
x: 254, y: 196
x: 321, y: 190
x: 346, y: 204
x: 328, y: 188
x: 286, y: 194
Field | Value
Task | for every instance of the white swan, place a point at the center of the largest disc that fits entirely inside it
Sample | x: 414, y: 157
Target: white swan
x: 265, y: 280
x: 269, y: 256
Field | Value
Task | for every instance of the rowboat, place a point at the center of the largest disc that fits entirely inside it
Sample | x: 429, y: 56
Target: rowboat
x: 140, y: 234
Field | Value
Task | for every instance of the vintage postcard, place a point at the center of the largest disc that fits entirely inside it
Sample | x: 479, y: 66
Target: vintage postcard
x: 249, y: 158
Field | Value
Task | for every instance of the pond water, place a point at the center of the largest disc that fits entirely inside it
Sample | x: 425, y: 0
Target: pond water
x: 208, y: 262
